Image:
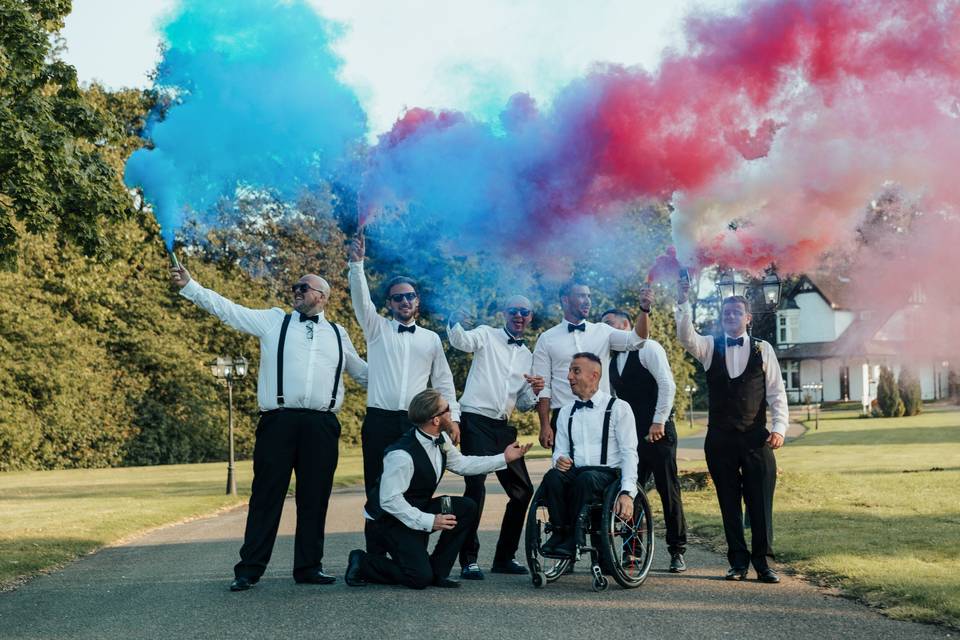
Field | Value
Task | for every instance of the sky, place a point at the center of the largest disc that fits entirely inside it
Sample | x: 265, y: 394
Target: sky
x: 419, y: 53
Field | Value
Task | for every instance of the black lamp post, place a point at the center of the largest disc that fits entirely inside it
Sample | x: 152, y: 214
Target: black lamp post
x: 732, y: 283
x: 225, y: 370
x: 690, y: 389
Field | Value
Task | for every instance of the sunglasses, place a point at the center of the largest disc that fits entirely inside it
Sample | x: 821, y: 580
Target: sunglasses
x: 447, y: 410
x: 302, y: 287
x: 518, y: 311
x: 410, y: 296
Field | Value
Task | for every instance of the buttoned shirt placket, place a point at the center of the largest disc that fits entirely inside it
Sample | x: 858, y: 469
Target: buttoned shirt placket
x: 405, y: 339
x: 311, y: 357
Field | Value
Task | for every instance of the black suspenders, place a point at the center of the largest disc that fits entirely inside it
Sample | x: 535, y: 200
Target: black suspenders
x: 336, y: 377
x: 283, y: 338
x: 605, y: 435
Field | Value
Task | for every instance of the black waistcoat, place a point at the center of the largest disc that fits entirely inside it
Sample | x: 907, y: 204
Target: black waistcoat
x: 737, y: 404
x: 424, y: 481
x: 637, y: 386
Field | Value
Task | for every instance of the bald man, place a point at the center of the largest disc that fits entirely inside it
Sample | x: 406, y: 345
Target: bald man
x: 299, y: 390
x: 499, y: 381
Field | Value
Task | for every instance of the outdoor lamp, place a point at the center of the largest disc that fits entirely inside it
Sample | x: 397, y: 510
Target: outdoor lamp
x: 771, y: 288
x: 239, y: 366
x: 731, y: 283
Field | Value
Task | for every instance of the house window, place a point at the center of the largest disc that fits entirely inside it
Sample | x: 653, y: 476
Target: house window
x: 787, y: 327
x: 791, y: 374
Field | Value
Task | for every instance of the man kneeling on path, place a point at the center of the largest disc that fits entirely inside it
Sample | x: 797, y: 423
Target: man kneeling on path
x: 404, y: 511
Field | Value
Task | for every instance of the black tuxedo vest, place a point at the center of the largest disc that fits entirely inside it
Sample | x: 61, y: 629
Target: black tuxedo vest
x: 737, y: 404
x: 423, y: 483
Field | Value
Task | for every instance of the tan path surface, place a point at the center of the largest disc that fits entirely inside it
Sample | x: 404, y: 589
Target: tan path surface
x: 172, y: 583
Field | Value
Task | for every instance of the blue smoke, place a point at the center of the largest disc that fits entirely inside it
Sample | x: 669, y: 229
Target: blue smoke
x: 251, y: 99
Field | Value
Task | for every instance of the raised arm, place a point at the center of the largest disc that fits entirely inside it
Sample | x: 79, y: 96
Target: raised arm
x: 363, y: 307
x: 463, y: 340
x: 700, y: 347
x: 256, y: 322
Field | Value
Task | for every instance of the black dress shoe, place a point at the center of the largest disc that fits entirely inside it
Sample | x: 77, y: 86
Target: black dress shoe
x: 736, y: 573
x: 242, y: 583
x: 446, y: 583
x: 556, y: 547
x: 471, y: 572
x: 352, y: 576
x: 677, y: 565
x: 315, y: 576
x: 768, y: 575
x: 510, y: 566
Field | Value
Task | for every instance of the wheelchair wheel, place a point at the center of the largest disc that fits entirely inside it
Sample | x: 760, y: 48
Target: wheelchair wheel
x: 627, y: 548
x: 542, y: 570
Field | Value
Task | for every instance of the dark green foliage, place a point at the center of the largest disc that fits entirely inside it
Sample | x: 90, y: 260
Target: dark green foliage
x: 908, y: 385
x: 888, y: 397
x: 54, y: 174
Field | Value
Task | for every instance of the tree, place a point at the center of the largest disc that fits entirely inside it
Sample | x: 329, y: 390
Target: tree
x: 54, y: 175
x: 908, y: 385
x: 888, y: 397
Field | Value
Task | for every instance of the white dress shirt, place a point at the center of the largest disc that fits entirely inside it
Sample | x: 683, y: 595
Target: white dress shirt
x: 701, y: 348
x: 654, y: 359
x: 587, y: 430
x: 309, y: 363
x: 495, y: 383
x: 398, y: 471
x: 401, y: 364
x: 555, y: 349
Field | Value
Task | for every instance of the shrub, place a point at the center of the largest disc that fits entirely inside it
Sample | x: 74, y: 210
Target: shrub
x: 888, y: 397
x: 908, y: 386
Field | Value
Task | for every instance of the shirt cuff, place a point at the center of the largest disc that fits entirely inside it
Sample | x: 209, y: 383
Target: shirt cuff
x: 660, y: 418
x: 630, y: 488
x: 355, y: 266
x: 781, y: 428
x: 426, y: 521
x: 546, y: 393
x: 189, y: 290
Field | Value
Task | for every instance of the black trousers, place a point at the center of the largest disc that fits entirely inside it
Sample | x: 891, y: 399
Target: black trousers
x: 567, y: 493
x: 660, y: 460
x: 288, y: 440
x: 743, y: 467
x: 409, y: 563
x: 380, y: 429
x: 482, y: 436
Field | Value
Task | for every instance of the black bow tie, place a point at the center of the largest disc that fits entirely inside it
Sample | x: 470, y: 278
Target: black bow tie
x: 401, y: 328
x: 738, y: 342
x: 438, y: 441
x: 304, y: 318
x: 580, y: 405
x: 515, y: 341
x: 576, y: 327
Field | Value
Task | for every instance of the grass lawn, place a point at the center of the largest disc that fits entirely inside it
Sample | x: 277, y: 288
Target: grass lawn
x: 51, y: 517
x: 871, y: 506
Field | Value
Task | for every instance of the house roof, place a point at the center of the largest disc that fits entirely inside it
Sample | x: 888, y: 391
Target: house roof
x: 859, y: 340
x: 832, y: 288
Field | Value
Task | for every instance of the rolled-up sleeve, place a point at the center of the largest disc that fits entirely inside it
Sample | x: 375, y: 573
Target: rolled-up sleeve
x: 542, y: 366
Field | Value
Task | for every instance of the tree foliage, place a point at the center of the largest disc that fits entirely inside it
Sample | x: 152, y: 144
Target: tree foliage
x: 888, y: 397
x: 908, y: 386
x: 54, y: 173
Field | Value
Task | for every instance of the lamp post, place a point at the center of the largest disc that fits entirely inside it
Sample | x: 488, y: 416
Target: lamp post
x: 814, y: 387
x: 764, y: 296
x: 225, y: 370
x: 690, y: 389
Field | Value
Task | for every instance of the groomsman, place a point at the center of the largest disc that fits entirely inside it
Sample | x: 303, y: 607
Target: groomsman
x: 404, y: 511
x: 299, y: 390
x: 403, y: 356
x: 743, y: 380
x: 644, y: 380
x: 499, y: 380
x: 597, y: 436
x: 556, y: 346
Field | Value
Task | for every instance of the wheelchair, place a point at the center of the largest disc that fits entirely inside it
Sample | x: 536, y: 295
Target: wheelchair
x: 619, y: 548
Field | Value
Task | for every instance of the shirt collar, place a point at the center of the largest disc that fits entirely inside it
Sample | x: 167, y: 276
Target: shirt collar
x: 426, y: 438
x: 742, y: 335
x: 397, y: 323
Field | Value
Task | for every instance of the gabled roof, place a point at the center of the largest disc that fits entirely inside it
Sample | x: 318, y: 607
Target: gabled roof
x: 833, y: 289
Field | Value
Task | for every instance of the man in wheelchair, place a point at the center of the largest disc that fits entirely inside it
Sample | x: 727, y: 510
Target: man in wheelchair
x: 596, y: 438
